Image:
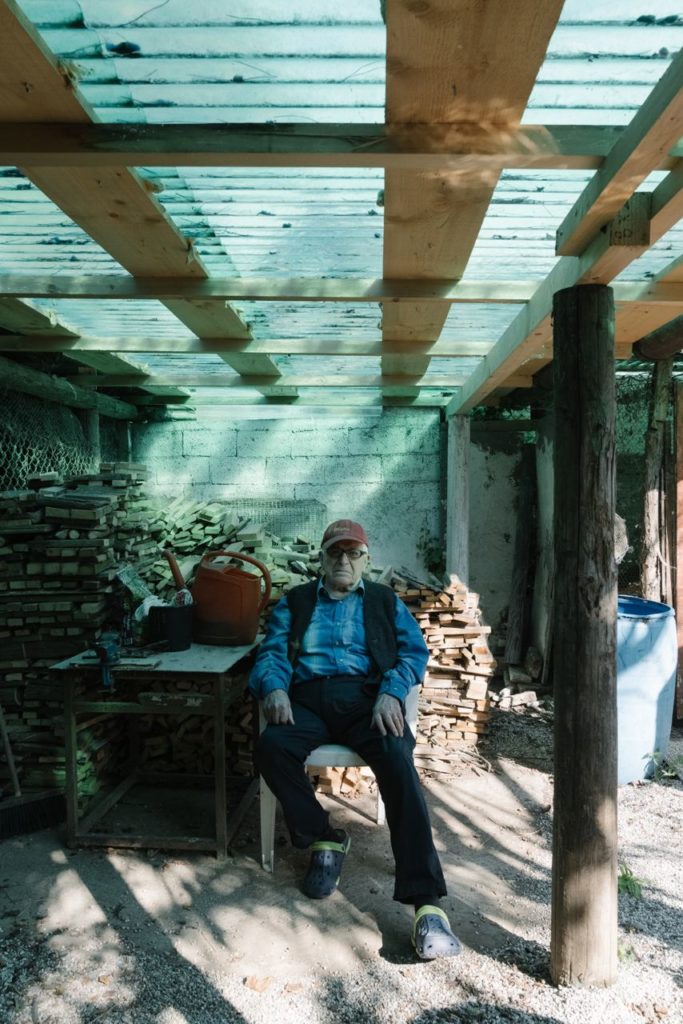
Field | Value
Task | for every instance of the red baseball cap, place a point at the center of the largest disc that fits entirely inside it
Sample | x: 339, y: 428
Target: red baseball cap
x: 344, y: 529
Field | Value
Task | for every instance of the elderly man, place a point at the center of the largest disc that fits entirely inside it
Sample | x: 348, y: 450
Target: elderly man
x: 340, y: 655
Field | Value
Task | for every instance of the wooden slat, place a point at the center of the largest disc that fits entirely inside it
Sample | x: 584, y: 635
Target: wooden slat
x: 453, y: 348
x: 193, y: 379
x: 649, y: 136
x: 448, y: 61
x: 19, y: 315
x: 112, y: 205
x: 327, y: 399
x: 109, y: 363
x: 409, y: 147
x: 214, y: 290
x: 23, y: 318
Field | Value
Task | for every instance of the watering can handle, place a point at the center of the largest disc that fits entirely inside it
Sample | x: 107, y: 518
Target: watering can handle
x: 254, y: 561
x: 175, y: 570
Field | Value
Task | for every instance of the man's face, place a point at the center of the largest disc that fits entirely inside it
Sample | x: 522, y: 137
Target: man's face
x: 343, y: 564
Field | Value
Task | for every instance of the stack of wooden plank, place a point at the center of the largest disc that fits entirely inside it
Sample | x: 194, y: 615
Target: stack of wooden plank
x: 184, y: 742
x: 348, y: 782
x: 455, y: 701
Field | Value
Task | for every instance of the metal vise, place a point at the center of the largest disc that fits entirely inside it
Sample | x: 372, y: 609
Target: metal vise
x: 108, y: 650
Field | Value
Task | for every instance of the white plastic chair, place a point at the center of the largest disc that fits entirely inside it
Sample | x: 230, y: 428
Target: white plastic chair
x: 329, y: 755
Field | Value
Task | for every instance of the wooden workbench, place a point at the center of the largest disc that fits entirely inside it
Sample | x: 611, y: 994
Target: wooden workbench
x: 200, y: 664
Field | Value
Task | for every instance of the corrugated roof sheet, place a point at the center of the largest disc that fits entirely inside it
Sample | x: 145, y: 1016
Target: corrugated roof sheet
x: 260, y: 60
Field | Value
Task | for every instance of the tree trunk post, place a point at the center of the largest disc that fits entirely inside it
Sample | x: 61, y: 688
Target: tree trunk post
x: 458, y: 498
x: 678, y: 712
x: 652, y: 571
x: 584, y: 884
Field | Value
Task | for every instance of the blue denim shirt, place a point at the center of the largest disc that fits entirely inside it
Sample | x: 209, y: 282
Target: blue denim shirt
x: 334, y: 644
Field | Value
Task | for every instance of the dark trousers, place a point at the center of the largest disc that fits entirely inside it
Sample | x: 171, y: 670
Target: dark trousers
x: 339, y: 710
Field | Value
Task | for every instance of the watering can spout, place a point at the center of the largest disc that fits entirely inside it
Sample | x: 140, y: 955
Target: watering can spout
x: 227, y: 600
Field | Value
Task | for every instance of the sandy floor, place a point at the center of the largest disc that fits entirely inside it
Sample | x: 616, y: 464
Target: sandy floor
x: 123, y: 936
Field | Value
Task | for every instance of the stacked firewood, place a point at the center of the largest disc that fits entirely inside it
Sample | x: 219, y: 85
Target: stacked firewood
x: 348, y: 782
x: 454, y: 700
x: 63, y: 545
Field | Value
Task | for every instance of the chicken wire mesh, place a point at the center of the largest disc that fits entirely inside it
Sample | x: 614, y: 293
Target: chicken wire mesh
x: 37, y: 436
x: 283, y: 518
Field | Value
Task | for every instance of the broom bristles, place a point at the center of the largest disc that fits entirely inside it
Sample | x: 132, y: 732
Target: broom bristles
x: 30, y: 813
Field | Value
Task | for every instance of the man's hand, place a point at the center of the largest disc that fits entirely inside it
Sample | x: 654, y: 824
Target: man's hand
x: 277, y: 708
x: 387, y: 715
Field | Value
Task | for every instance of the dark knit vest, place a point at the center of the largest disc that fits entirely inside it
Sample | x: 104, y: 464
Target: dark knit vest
x: 379, y: 616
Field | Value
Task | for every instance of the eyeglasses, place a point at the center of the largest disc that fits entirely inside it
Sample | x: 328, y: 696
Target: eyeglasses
x: 353, y: 554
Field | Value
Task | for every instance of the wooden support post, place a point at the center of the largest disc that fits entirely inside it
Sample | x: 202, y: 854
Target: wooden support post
x: 458, y: 498
x: 651, y: 565
x: 584, y: 887
x: 524, y: 534
x: 678, y: 712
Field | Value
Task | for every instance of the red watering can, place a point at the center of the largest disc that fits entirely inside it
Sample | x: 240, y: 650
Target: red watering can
x: 227, y: 600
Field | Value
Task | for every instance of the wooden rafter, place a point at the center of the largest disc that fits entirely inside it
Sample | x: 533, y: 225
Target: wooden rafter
x: 327, y: 399
x: 55, y: 389
x: 194, y: 346
x: 20, y: 316
x: 529, y: 336
x: 448, y: 61
x: 111, y: 204
x: 396, y: 292
x: 649, y: 136
x: 216, y: 379
x: 267, y: 289
x: 410, y: 147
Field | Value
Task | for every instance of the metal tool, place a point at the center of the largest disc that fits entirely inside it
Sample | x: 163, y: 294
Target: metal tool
x: 108, y: 650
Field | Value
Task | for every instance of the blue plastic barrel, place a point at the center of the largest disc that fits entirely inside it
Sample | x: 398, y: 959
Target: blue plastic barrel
x: 647, y: 655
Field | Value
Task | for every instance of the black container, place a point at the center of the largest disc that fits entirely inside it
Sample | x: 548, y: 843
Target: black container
x: 172, y: 623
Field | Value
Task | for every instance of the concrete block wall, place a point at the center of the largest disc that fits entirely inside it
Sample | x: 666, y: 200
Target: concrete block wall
x: 383, y: 470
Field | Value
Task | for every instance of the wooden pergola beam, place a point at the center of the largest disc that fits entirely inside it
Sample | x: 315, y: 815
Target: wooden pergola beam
x: 56, y: 389
x: 662, y: 343
x: 269, y: 346
x: 530, y: 333
x: 266, y: 289
x: 21, y: 316
x: 324, y: 399
x: 215, y: 379
x: 111, y: 204
x: 416, y: 147
x: 449, y: 61
x: 654, y: 129
x: 306, y: 289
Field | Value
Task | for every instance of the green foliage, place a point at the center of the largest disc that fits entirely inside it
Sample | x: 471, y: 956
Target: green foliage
x: 628, y: 883
x: 626, y: 954
x: 432, y: 552
x: 665, y: 767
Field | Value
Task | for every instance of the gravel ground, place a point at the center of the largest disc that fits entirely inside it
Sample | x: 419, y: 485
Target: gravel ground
x: 130, y: 938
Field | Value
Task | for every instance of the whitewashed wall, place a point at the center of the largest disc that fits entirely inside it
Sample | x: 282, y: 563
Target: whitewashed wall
x: 493, y: 522
x: 383, y: 470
